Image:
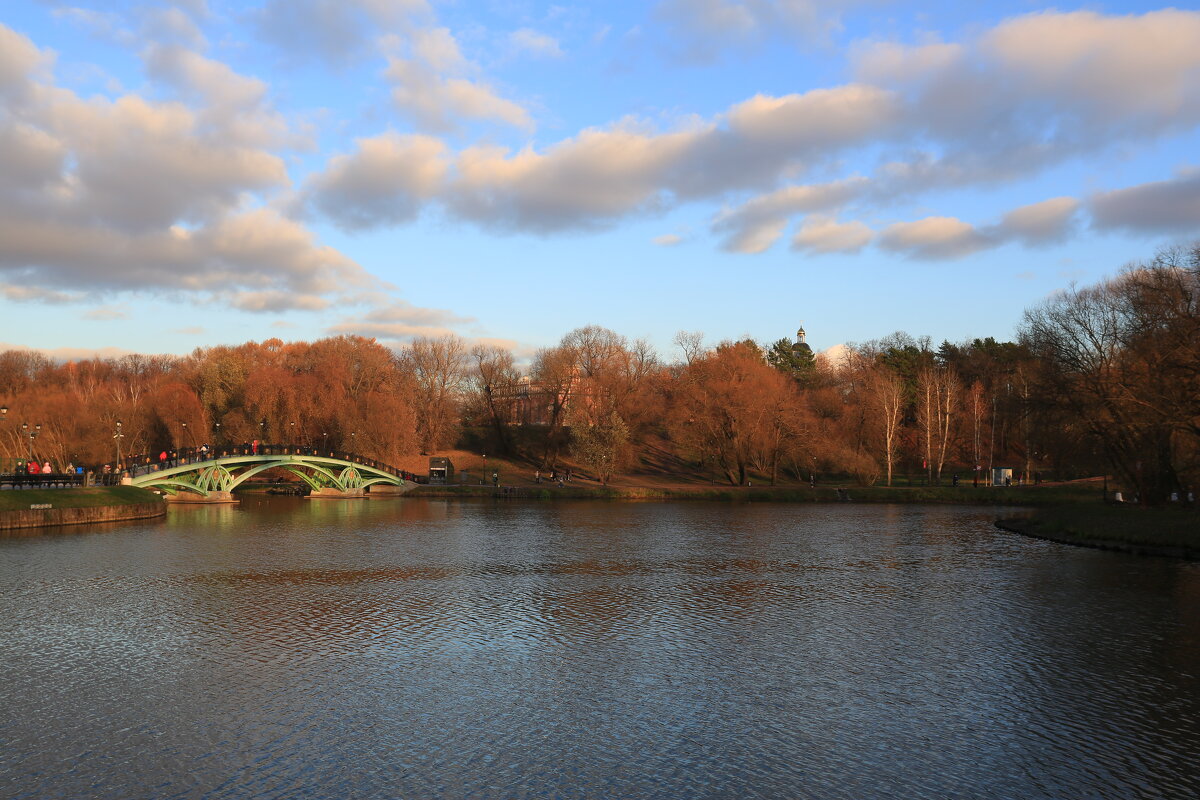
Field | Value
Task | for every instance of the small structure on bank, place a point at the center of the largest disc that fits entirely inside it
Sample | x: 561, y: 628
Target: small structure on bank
x: 441, y: 470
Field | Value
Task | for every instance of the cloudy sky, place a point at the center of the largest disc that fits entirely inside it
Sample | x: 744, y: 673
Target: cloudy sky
x: 197, y: 172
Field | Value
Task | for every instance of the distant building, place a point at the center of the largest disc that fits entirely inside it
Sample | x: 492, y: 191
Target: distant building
x: 801, y: 348
x: 441, y: 470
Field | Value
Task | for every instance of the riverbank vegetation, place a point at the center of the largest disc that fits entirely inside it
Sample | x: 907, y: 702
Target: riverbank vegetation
x: 1103, y: 380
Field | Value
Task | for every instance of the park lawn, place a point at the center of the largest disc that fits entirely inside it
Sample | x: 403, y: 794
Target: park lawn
x: 22, y: 499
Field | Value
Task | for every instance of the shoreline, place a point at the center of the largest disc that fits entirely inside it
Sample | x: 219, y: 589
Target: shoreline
x: 830, y: 494
x: 1038, y: 529
x: 40, y: 509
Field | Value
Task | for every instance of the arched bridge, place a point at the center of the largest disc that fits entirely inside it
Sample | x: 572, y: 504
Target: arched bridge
x: 214, y: 474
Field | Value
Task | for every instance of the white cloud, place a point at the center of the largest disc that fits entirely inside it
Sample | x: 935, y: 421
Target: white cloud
x: 1032, y: 92
x: 533, y: 43
x: 1110, y: 66
x: 667, y: 240
x: 933, y: 238
x: 133, y: 195
x: 756, y: 224
x: 436, y: 103
x: 38, y: 294
x: 383, y: 182
x: 1160, y: 207
x: 1046, y: 222
x: 64, y: 354
x: 889, y: 63
x: 335, y: 32
x: 399, y: 321
x: 939, y: 238
x: 21, y: 63
x: 603, y: 174
x: 821, y: 234
x: 173, y: 25
x: 438, y: 48
x: 106, y: 314
x: 705, y: 28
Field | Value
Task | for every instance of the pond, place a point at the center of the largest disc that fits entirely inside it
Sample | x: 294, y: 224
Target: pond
x: 413, y: 648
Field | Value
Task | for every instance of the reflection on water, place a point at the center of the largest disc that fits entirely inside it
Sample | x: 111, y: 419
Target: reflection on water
x: 425, y: 648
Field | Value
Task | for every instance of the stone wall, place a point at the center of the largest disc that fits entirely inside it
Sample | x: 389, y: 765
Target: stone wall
x: 48, y: 517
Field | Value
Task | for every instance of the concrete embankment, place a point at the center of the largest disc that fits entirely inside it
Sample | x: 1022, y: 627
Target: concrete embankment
x: 29, y: 509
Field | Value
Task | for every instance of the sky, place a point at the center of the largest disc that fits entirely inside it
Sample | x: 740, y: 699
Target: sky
x: 185, y: 174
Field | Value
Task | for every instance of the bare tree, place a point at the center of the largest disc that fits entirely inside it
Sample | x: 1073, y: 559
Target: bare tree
x: 494, y: 379
x: 938, y: 389
x: 886, y: 393
x: 691, y: 343
x: 439, y: 369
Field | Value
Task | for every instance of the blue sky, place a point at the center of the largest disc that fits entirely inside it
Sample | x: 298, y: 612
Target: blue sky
x: 199, y: 172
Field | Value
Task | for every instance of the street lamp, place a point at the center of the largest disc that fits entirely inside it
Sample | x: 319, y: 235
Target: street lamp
x: 118, y: 435
x: 32, y: 435
x: 217, y: 438
x: 292, y: 426
x: 184, y: 424
x: 325, y: 442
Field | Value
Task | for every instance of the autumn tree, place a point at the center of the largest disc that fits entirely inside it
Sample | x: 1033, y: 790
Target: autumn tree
x: 730, y: 409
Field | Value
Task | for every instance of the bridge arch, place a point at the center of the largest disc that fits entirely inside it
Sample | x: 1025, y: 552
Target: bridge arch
x: 209, y: 474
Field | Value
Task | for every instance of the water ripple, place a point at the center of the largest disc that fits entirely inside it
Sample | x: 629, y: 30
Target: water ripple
x: 433, y: 649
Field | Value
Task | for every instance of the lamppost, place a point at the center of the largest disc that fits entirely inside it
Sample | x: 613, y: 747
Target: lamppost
x: 185, y: 430
x: 262, y: 426
x: 118, y: 435
x: 32, y: 435
x: 325, y: 442
x: 292, y: 427
x: 217, y: 436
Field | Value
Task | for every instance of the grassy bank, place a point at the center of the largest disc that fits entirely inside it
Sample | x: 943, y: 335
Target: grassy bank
x: 1153, y: 531
x: 91, y: 497
x: 1015, y: 495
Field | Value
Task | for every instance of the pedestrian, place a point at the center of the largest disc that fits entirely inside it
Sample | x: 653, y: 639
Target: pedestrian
x: 254, y: 447
x: 46, y: 468
x: 32, y: 468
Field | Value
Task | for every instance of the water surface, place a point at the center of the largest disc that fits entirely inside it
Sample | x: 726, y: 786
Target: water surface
x: 426, y: 648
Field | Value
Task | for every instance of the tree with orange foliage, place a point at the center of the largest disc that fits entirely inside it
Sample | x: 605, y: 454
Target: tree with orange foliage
x: 730, y: 409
